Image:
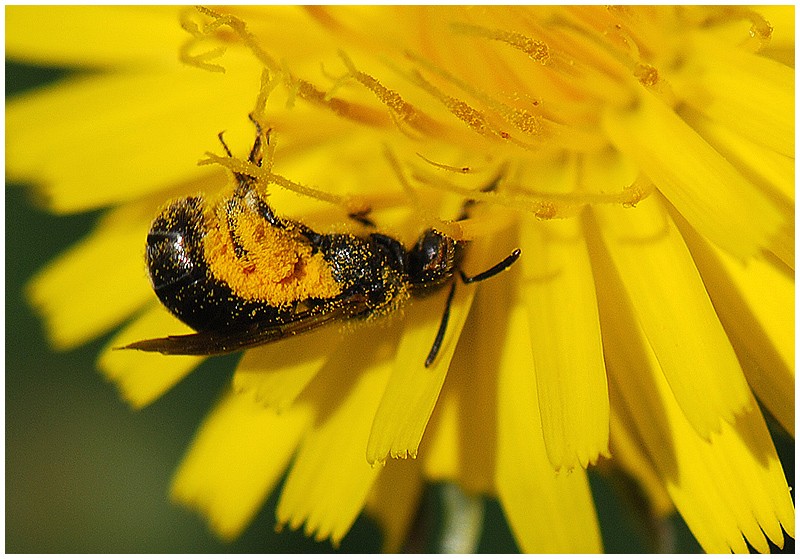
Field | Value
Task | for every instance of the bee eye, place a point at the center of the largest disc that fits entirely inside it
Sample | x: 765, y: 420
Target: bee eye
x: 432, y: 259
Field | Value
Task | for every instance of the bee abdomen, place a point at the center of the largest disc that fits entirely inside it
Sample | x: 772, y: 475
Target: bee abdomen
x: 182, y: 279
x: 175, y: 246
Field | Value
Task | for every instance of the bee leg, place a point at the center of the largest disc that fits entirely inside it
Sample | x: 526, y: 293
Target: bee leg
x: 437, y: 341
x: 249, y: 185
x: 361, y: 217
x: 257, y: 153
x: 493, y: 271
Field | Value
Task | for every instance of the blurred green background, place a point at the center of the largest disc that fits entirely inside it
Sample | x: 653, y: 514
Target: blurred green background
x: 85, y: 474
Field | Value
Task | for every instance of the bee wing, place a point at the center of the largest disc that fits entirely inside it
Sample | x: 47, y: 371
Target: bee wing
x: 216, y: 342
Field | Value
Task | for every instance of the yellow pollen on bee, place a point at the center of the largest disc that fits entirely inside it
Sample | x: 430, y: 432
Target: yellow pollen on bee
x: 275, y: 265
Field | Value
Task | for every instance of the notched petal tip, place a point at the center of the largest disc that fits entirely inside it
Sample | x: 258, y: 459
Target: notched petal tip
x: 143, y: 377
x: 236, y: 459
x: 376, y: 462
x: 412, y: 391
x: 559, y: 294
x: 674, y: 311
x: 404, y: 454
x: 327, y: 495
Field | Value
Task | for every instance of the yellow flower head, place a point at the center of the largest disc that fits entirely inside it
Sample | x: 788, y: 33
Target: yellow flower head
x: 642, y: 159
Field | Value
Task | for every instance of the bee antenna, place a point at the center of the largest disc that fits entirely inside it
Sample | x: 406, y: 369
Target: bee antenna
x: 224, y: 145
x: 494, y: 270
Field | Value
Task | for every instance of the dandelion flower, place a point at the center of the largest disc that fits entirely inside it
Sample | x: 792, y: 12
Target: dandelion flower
x: 643, y: 161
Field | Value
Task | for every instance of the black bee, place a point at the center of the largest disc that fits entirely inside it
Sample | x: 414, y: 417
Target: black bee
x: 241, y: 276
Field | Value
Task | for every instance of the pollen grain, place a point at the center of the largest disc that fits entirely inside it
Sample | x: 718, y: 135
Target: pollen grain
x: 273, y: 265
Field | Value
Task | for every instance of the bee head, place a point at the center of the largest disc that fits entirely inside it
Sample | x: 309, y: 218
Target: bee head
x: 433, y: 259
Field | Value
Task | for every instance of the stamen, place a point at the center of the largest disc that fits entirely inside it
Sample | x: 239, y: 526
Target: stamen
x: 352, y: 204
x: 520, y: 118
x: 544, y: 205
x: 540, y: 208
x: 638, y: 190
x: 401, y: 109
x: 197, y: 60
x: 301, y: 88
x: 290, y: 83
x: 463, y: 111
x: 240, y: 29
x: 325, y: 18
x: 536, y: 50
x: 187, y: 24
x: 573, y: 138
x: 574, y: 64
x: 603, y: 70
x: 338, y: 81
x: 472, y: 117
x: 462, y: 170
x: 451, y: 229
x: 760, y: 29
x: 646, y: 74
x: 200, y: 60
x: 309, y: 92
x: 353, y: 111
x: 268, y: 85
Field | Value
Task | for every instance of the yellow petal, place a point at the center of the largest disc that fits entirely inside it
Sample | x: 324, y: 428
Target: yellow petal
x: 330, y: 479
x: 558, y: 289
x: 701, y: 475
x: 413, y: 389
x: 442, y: 454
x: 761, y: 165
x: 755, y: 302
x: 463, y: 437
x: 140, y: 376
x: 751, y: 93
x: 461, y: 440
x: 628, y: 453
x: 97, y: 283
x: 726, y: 486
x: 237, y: 457
x: 394, y: 499
x: 674, y: 311
x: 159, y: 132
x: 548, y: 511
x: 276, y: 373
x: 93, y: 35
x: 716, y: 199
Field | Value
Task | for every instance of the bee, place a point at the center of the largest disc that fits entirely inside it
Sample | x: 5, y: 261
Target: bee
x: 242, y: 276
